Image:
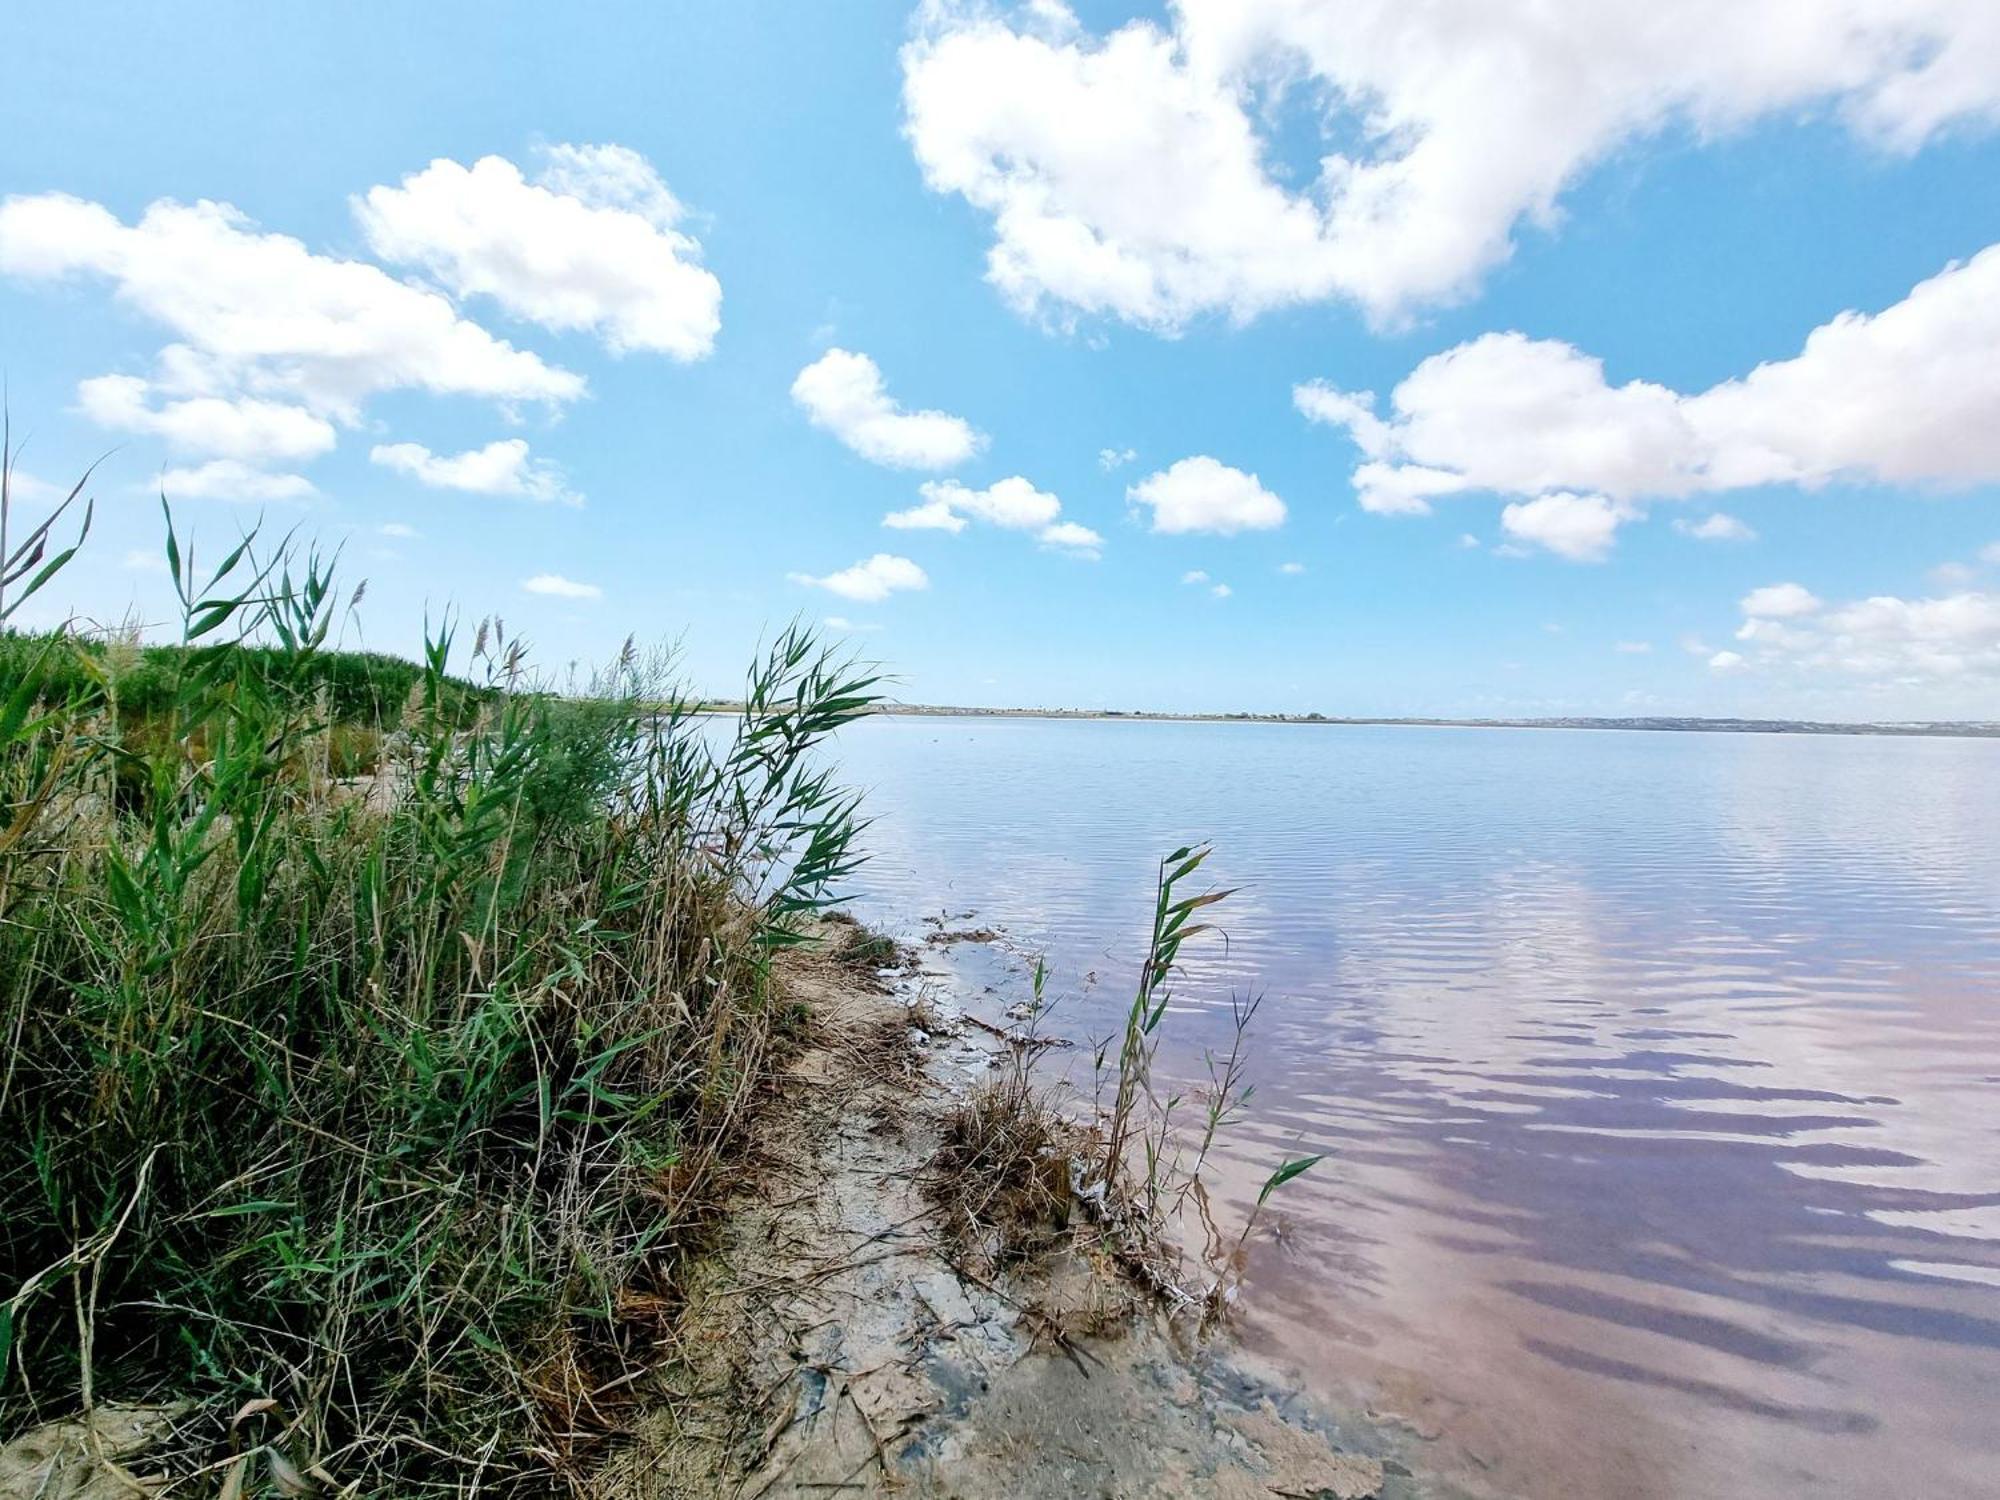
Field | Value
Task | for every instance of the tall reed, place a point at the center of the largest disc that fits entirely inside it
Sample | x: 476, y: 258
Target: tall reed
x: 1144, y: 1197
x: 382, y: 1109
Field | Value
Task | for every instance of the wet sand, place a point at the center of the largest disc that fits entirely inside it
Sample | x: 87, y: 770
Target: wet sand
x: 832, y: 1344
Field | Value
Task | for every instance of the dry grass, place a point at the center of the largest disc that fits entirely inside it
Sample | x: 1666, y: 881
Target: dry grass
x: 1001, y: 1175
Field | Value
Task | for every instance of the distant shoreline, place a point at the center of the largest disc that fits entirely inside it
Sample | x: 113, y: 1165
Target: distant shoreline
x: 1943, y: 729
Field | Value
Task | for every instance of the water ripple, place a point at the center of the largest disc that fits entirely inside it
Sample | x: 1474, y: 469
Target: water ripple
x: 1657, y: 1070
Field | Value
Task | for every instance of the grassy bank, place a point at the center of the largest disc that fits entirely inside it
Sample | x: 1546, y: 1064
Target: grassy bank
x: 377, y: 1034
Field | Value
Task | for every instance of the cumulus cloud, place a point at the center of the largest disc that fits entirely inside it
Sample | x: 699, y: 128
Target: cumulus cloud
x: 843, y: 393
x: 1073, y: 539
x: 1320, y: 401
x: 1403, y: 489
x: 555, y: 586
x: 1199, y: 578
x: 1578, y: 527
x: 870, y: 581
x: 1292, y: 568
x: 1115, y: 458
x: 245, y: 428
x: 1132, y: 173
x: 258, y: 314
x: 1012, y: 503
x: 1780, y: 601
x: 591, y: 244
x: 1903, y: 396
x: 1883, y: 641
x: 1202, y: 494
x: 230, y: 479
x: 1717, y: 527
x: 504, y: 467
x: 932, y: 515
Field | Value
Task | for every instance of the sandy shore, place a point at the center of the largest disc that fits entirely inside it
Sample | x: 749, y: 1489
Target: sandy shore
x: 835, y: 1344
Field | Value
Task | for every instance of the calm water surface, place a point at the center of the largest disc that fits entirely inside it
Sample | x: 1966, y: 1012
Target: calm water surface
x: 1657, y: 1072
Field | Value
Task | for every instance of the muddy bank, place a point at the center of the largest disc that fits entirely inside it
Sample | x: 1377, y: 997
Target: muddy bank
x: 840, y: 1340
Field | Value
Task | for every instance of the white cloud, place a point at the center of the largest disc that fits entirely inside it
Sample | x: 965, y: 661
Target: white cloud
x: 243, y: 427
x: 1903, y: 396
x: 1292, y: 568
x: 399, y: 530
x: 1578, y: 527
x: 1013, y: 503
x: 1200, y: 494
x: 504, y: 467
x: 591, y: 244
x: 558, y: 587
x: 1318, y: 401
x: 1884, y: 640
x: 871, y: 580
x: 1953, y: 574
x: 1634, y: 648
x: 1115, y: 458
x: 852, y: 627
x: 1717, y: 527
x: 140, y: 561
x: 1990, y: 554
x: 1725, y: 661
x: 23, y: 486
x: 843, y: 393
x: 1402, y: 489
x: 932, y: 515
x: 1132, y: 174
x: 1199, y: 577
x: 259, y: 314
x: 1780, y: 601
x: 1072, y: 538
x: 228, y: 479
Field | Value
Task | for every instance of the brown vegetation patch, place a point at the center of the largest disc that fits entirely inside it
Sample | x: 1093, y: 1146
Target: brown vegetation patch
x: 1001, y: 1175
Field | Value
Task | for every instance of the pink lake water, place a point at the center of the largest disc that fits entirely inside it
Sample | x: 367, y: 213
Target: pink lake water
x: 1656, y: 1073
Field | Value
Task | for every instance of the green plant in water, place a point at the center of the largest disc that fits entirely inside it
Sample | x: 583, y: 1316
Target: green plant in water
x: 1141, y: 1121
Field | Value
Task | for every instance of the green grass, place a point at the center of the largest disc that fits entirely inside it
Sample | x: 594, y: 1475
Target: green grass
x: 398, y: 1103
x: 359, y: 686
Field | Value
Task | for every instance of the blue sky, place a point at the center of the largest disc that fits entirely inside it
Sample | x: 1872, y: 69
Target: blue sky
x: 850, y: 176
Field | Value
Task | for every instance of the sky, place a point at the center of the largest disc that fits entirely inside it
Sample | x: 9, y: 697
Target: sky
x: 1578, y: 357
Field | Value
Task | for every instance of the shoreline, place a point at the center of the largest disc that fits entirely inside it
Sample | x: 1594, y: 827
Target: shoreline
x: 1940, y: 729
x: 838, y: 1339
